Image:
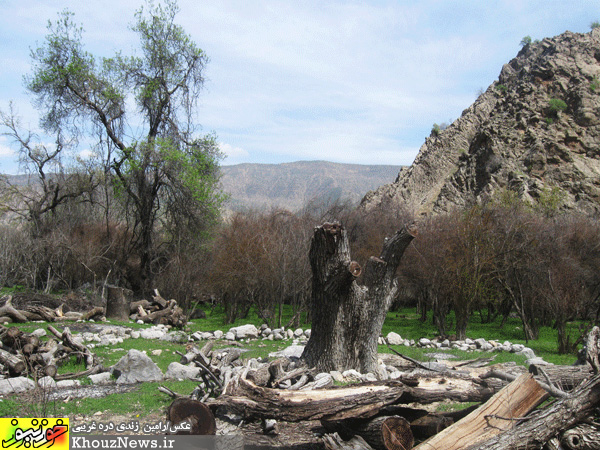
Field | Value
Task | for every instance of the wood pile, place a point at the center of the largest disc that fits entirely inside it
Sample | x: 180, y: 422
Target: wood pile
x: 24, y: 354
x: 158, y: 311
x: 27, y: 313
x: 511, y: 411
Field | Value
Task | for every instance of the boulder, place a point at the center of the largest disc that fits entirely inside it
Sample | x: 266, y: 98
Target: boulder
x: 101, y: 378
x: 134, y: 367
x: 293, y: 351
x: 16, y: 385
x: 177, y: 371
x: 394, y: 338
x: 245, y: 331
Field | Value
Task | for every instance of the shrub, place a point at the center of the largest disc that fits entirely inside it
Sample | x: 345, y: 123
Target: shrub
x: 556, y: 105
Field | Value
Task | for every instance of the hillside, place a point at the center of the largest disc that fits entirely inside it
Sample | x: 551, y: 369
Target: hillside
x: 535, y: 131
x: 292, y: 185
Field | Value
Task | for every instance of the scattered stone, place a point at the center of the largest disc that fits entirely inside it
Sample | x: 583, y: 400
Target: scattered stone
x: 180, y: 372
x: 244, y: 331
x: 218, y: 334
x: 68, y: 383
x: 307, y: 333
x: 230, y: 336
x: 352, y: 375
x: 101, y: 378
x: 394, y: 338
x: 16, y: 385
x: 40, y: 332
x: 135, y: 334
x: 156, y: 352
x: 47, y: 382
x: 152, y: 333
x: 293, y: 351
x: 289, y: 334
x: 299, y: 332
x: 323, y: 380
x: 337, y: 376
x: 136, y: 366
x: 423, y: 342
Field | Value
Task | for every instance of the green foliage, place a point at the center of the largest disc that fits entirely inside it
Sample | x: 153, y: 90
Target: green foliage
x: 595, y: 84
x: 525, y: 41
x: 594, y: 24
x: 501, y: 88
x: 556, y: 105
x: 550, y: 201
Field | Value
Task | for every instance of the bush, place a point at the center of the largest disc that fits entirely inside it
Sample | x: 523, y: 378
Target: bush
x: 556, y: 105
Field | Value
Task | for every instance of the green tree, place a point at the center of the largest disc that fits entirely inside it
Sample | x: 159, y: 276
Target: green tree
x: 164, y: 173
x: 525, y: 41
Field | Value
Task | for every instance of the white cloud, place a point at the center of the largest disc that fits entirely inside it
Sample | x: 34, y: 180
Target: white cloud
x: 233, y: 155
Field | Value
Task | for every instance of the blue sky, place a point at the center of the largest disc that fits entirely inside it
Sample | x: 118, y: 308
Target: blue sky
x: 344, y: 81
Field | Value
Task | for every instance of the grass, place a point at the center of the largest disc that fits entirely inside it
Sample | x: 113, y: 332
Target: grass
x: 146, y: 399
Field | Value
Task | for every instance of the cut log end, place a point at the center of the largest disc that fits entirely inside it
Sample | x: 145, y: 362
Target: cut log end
x: 196, y: 413
x: 396, y: 434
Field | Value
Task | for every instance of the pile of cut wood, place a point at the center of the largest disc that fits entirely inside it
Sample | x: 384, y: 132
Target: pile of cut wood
x: 512, y: 413
x: 24, y: 354
x: 27, y: 313
x: 158, y: 311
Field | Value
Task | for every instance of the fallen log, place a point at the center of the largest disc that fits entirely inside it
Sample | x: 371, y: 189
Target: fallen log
x: 67, y: 338
x: 15, y: 365
x: 381, y: 433
x: 429, y: 425
x: 199, y: 415
x: 8, y: 310
x: 565, y: 377
x: 499, y: 413
x: 564, y: 414
x: 338, y: 403
x: 335, y: 442
x: 583, y: 437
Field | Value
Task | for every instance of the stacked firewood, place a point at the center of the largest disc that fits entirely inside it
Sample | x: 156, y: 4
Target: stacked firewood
x: 24, y: 354
x: 158, y: 311
x: 10, y: 314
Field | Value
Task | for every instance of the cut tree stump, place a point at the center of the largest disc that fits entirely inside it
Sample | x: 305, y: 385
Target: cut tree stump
x: 196, y: 413
x: 499, y: 413
x: 335, y: 442
x: 117, y: 305
x: 347, y: 317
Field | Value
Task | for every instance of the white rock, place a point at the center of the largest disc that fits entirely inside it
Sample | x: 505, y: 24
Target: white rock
x: 136, y: 366
x: 177, y: 371
x: 156, y: 352
x: 152, y: 333
x: 370, y: 377
x: 135, y: 334
x: 424, y: 342
x: 140, y: 322
x: 67, y: 383
x: 469, y: 341
x: 323, y: 380
x: 40, y: 332
x: 299, y: 332
x: 46, y: 382
x: 101, y: 378
x: 445, y: 343
x: 516, y: 348
x: 380, y: 341
x: 289, y: 334
x: 277, y: 336
x: 394, y: 338
x: 267, y: 331
x: 218, y: 334
x: 244, y: 331
x: 337, y: 376
x: 230, y: 336
x: 307, y: 333
x: 16, y: 385
x: 527, y: 352
x: 291, y: 351
x: 395, y: 375
x: 352, y: 375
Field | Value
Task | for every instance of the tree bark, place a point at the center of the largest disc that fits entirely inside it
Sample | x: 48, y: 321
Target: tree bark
x: 498, y: 414
x: 117, y: 306
x: 381, y: 433
x: 353, y: 401
x: 561, y: 415
x: 347, y: 317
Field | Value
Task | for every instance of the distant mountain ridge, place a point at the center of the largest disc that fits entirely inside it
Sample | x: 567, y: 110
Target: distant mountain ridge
x: 535, y: 132
x: 292, y: 185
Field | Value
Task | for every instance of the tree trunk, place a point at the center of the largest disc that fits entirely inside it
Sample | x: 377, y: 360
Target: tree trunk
x: 199, y: 416
x: 347, y: 318
x: 117, y: 306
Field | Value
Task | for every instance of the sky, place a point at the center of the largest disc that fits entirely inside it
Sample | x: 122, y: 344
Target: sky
x: 345, y: 81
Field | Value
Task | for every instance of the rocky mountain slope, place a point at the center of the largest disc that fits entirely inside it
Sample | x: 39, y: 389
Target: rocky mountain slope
x: 292, y: 185
x: 535, y: 131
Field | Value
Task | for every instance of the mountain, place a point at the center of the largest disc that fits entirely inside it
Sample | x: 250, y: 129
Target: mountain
x: 292, y: 185
x: 535, y: 132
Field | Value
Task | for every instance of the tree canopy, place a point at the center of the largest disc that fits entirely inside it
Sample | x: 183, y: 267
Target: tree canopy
x: 138, y: 113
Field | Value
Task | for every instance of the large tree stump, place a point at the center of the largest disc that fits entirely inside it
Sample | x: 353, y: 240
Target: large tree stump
x: 117, y: 306
x: 347, y: 317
